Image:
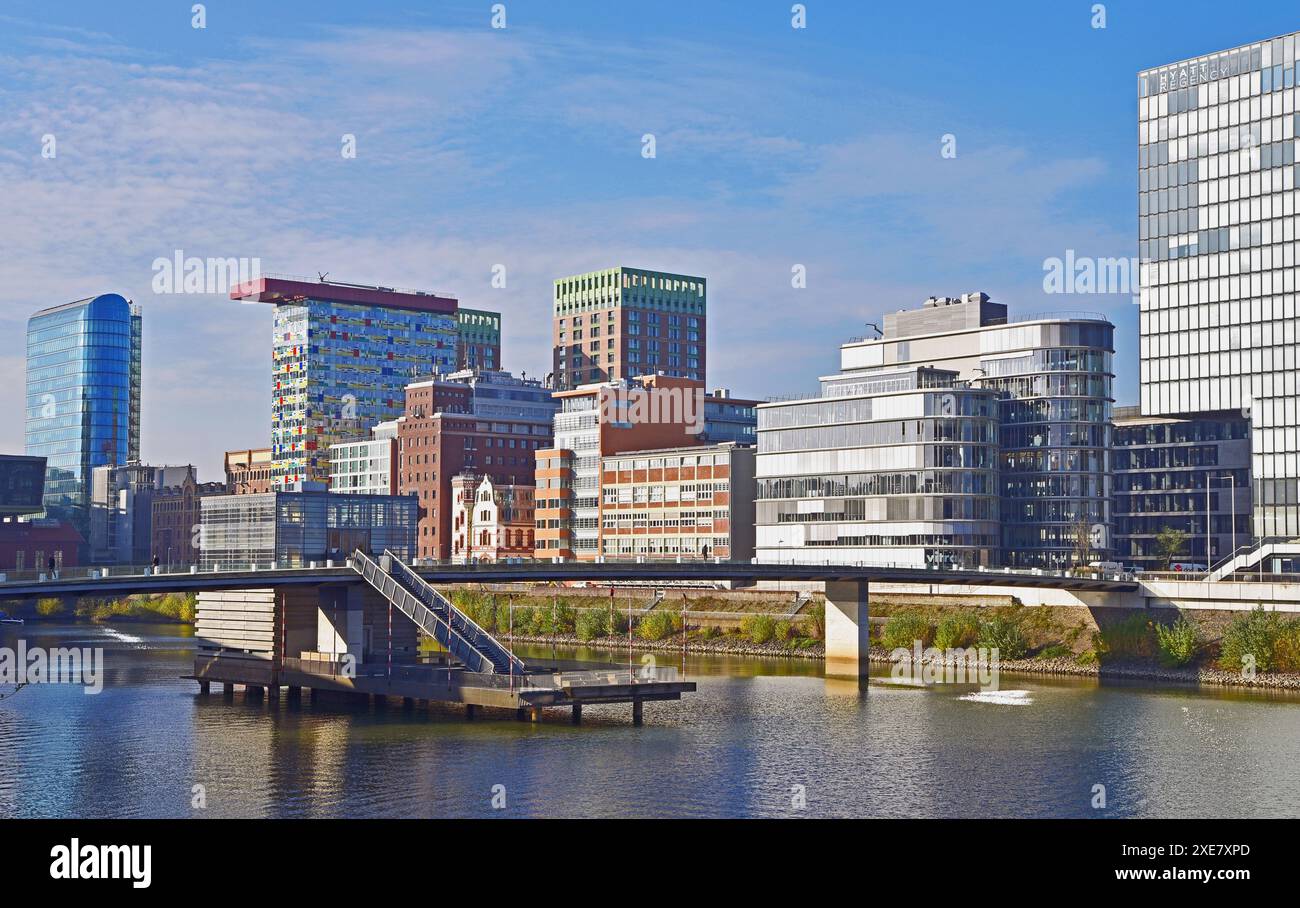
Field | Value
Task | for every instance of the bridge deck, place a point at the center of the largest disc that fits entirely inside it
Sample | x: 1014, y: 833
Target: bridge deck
x: 541, y: 572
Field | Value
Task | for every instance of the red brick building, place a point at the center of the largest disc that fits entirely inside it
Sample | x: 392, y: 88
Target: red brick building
x: 439, y: 437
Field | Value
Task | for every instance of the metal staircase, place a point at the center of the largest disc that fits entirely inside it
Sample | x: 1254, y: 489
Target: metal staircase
x: 435, y: 615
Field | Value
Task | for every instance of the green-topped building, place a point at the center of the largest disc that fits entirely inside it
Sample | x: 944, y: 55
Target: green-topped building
x: 624, y: 322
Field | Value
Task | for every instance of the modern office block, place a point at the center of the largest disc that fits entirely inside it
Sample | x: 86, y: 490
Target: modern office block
x: 1217, y: 169
x: 1181, y: 474
x: 83, y: 396
x: 623, y: 322
x: 1050, y: 376
x: 295, y: 528
x: 889, y: 465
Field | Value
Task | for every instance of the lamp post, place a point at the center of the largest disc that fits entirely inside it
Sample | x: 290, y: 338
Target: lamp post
x: 1232, y: 480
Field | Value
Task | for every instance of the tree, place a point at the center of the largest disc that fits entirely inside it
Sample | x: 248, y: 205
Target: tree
x: 1082, y: 533
x: 1170, y: 543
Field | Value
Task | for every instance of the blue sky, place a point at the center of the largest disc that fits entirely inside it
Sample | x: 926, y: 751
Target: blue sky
x: 522, y: 147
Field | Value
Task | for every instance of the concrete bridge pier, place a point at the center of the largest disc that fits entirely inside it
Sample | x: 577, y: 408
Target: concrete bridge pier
x: 847, y: 629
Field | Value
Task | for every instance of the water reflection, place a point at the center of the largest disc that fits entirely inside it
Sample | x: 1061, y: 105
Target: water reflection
x: 756, y: 734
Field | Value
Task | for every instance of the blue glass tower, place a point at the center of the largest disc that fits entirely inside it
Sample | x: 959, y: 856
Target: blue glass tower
x: 83, y: 396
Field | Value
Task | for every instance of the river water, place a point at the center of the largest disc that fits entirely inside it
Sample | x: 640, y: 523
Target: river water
x: 761, y: 738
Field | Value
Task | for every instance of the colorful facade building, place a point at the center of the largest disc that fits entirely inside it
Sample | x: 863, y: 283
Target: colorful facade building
x: 619, y: 323
x: 490, y: 522
x: 341, y: 357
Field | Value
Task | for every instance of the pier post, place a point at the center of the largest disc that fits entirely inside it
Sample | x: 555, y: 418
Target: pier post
x: 295, y: 693
x: 273, y: 693
x: 847, y: 629
x: 408, y: 704
x: 205, y: 688
x: 469, y: 711
x: 636, y: 713
x: 227, y: 690
x: 577, y: 714
x: 521, y: 714
x: 535, y: 714
x: 253, y: 691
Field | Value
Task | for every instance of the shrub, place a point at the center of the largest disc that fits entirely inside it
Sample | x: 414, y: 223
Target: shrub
x: 782, y: 631
x: 617, y: 621
x: 758, y: 628
x: 957, y: 631
x: 592, y: 623
x: 1132, y: 636
x: 813, y: 621
x: 904, y: 629
x: 1055, y: 651
x: 655, y: 626
x: 1255, y: 634
x: 565, y: 618
x: 1178, y: 642
x: 1004, y: 635
x: 49, y: 607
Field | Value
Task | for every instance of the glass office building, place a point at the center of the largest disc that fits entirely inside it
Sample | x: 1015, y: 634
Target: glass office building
x: 341, y: 359
x: 1052, y: 376
x: 885, y: 466
x: 293, y: 529
x: 83, y: 396
x: 1217, y: 168
x: 1190, y: 475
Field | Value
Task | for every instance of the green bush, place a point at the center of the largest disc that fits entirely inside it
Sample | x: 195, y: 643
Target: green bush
x: 1133, y: 636
x: 904, y: 629
x: 782, y: 631
x: 617, y: 621
x: 1258, y: 634
x: 813, y: 621
x: 1055, y: 651
x: 1178, y: 642
x: 957, y: 631
x: 592, y: 623
x: 1004, y: 635
x: 565, y: 617
x: 656, y: 626
x: 758, y: 628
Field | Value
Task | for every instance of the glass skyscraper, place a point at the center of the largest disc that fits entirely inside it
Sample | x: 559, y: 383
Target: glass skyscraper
x: 83, y: 396
x: 1217, y: 167
x: 341, y: 359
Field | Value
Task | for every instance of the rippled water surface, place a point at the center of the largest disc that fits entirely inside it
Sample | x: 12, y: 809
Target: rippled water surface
x: 741, y: 746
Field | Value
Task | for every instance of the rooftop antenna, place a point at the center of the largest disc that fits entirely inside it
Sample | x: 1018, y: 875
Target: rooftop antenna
x: 322, y: 275
x: 876, y: 328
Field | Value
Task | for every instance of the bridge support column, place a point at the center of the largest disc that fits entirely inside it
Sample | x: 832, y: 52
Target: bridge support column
x: 205, y: 688
x: 521, y: 714
x: 636, y: 713
x: 847, y: 630
x: 535, y: 714
x: 469, y: 711
x: 577, y: 714
x: 227, y: 690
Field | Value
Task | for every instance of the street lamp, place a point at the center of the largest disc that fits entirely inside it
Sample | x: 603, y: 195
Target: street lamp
x: 1232, y: 480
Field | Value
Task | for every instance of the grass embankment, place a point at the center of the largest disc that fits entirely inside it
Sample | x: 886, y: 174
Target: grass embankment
x: 588, y: 620
x: 179, y: 607
x: 1247, y: 643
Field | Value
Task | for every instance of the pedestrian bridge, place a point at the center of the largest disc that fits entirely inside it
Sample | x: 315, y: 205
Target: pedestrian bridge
x: 133, y: 580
